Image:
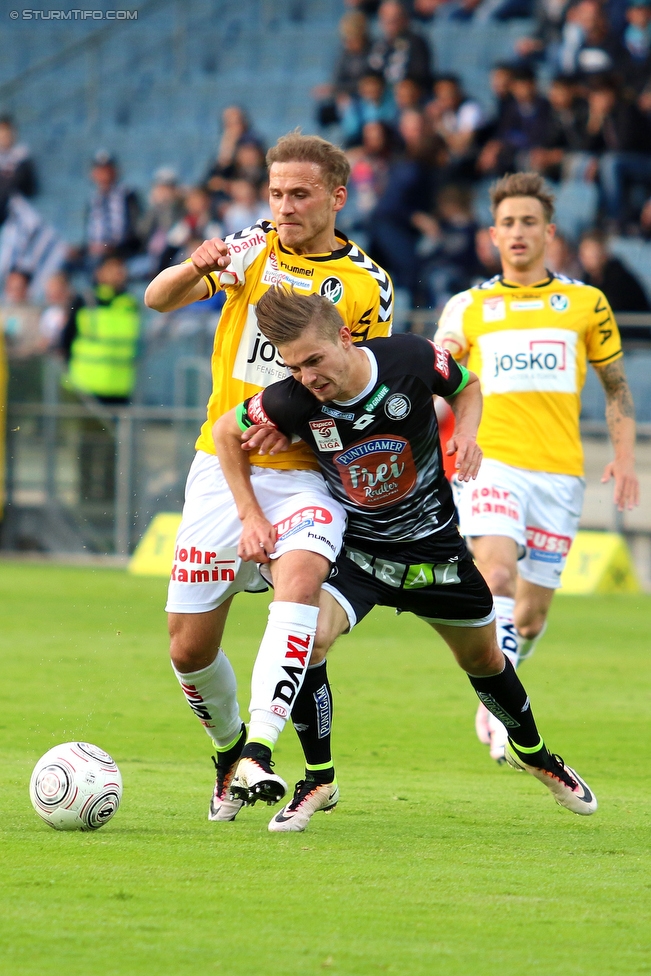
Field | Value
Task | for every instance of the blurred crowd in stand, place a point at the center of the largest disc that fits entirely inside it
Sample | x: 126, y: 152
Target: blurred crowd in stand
x: 573, y: 102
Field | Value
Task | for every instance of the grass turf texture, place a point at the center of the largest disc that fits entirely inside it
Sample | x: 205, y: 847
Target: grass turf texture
x: 435, y: 862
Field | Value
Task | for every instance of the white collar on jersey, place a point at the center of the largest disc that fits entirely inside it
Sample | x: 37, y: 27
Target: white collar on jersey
x: 370, y: 386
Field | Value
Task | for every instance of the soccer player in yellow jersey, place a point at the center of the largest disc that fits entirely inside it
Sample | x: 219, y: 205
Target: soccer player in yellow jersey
x: 529, y: 334
x: 302, y: 249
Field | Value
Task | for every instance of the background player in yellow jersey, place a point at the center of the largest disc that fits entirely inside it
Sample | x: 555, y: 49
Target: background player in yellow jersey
x: 302, y: 249
x: 528, y: 334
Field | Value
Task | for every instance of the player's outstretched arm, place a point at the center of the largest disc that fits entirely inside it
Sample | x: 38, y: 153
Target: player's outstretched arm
x: 467, y: 407
x: 183, y: 284
x: 258, y: 537
x: 620, y: 417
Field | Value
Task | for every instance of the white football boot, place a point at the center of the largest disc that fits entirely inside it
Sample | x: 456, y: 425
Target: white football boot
x: 563, y: 782
x: 255, y: 780
x: 307, y: 800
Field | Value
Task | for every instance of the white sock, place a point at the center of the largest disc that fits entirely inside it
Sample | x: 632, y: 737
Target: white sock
x: 507, y: 635
x: 280, y: 668
x: 212, y: 695
x: 527, y: 645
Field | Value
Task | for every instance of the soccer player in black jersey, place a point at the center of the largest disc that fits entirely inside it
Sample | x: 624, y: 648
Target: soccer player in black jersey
x: 367, y: 412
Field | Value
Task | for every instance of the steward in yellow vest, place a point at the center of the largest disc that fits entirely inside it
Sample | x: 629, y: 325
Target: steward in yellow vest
x: 103, y: 353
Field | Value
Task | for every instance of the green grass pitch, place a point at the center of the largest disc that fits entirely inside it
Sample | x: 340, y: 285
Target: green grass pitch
x: 435, y: 862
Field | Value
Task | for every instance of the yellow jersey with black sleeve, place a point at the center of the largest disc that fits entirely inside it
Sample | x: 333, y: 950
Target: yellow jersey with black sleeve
x: 530, y: 347
x: 243, y: 361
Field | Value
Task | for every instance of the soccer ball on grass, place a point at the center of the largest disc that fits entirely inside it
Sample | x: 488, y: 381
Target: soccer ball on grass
x: 76, y: 786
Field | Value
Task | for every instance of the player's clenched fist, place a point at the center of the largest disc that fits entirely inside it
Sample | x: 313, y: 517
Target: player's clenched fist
x: 210, y: 256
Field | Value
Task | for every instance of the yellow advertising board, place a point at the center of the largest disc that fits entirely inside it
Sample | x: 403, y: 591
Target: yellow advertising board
x: 599, y: 562
x: 154, y: 554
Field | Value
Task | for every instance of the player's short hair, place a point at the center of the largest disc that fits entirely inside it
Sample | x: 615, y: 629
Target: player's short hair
x: 297, y: 148
x: 523, y: 185
x: 283, y: 315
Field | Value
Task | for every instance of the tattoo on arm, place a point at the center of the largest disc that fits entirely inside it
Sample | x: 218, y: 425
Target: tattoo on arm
x: 618, y: 394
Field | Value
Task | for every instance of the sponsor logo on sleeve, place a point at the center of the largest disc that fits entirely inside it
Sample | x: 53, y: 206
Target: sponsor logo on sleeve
x: 326, y: 436
x: 560, y: 303
x: 332, y: 288
x: 256, y: 411
x: 441, y: 361
x: 378, y: 471
x: 397, y: 407
x: 494, y: 308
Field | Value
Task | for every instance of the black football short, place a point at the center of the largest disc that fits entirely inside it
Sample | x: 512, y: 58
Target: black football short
x: 453, y: 592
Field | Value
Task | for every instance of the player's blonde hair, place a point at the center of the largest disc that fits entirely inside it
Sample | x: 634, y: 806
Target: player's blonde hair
x: 297, y: 148
x: 523, y: 185
x: 283, y: 315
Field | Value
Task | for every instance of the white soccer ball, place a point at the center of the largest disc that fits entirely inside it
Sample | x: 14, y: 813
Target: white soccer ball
x: 76, y: 786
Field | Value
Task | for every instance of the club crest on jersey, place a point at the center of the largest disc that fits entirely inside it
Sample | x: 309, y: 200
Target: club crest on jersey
x: 397, y: 407
x: 378, y: 471
x: 332, y: 289
x: 494, y: 308
x: 560, y: 303
x: 326, y: 435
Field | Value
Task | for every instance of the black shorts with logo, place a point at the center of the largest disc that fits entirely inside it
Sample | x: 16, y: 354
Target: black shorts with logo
x: 453, y: 590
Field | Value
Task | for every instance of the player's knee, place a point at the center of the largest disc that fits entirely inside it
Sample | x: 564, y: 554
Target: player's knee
x: 482, y: 660
x: 191, y: 651
x: 501, y: 579
x: 532, y: 626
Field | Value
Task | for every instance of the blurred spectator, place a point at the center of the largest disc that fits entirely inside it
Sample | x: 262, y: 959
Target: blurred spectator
x: 103, y: 338
x: 369, y: 165
x: 568, y: 131
x: 561, y: 259
x: 588, y: 45
x: 197, y: 223
x: 409, y: 189
x: 373, y: 103
x: 447, y: 248
x: 236, y: 130
x: 19, y: 317
x: 425, y: 10
x: 368, y: 7
x: 407, y: 94
x: 637, y: 44
x: 17, y: 171
x: 549, y: 17
x: 526, y: 124
x: 164, y: 211
x: 351, y: 64
x: 621, y: 136
x: 61, y: 304
x: 400, y: 52
x: 488, y: 259
x: 456, y: 119
x: 248, y: 163
x: 244, y: 209
x: 601, y: 269
x: 112, y: 214
x: 29, y: 244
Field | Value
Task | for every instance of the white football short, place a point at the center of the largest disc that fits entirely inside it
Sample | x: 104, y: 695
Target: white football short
x: 539, y: 510
x: 206, y: 569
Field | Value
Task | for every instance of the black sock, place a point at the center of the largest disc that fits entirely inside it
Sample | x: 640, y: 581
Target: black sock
x: 226, y: 757
x: 504, y: 695
x: 312, y: 718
